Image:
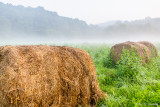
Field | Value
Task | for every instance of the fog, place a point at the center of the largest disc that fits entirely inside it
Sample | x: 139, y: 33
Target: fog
x: 97, y: 11
x: 21, y: 25
x: 34, y: 40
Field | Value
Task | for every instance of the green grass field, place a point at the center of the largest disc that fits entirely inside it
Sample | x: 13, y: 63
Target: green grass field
x: 128, y: 83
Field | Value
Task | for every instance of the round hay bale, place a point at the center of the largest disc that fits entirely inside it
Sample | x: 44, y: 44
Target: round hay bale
x: 140, y: 49
x: 151, y: 47
x: 43, y: 76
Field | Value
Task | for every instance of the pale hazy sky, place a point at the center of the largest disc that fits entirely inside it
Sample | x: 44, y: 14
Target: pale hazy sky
x: 97, y: 11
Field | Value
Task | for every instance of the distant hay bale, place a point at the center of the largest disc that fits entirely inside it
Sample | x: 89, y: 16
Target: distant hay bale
x: 140, y: 49
x: 43, y: 76
x: 151, y: 47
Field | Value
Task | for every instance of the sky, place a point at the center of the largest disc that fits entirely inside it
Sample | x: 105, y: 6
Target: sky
x: 97, y: 11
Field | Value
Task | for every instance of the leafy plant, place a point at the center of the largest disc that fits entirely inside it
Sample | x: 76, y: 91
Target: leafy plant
x: 127, y: 83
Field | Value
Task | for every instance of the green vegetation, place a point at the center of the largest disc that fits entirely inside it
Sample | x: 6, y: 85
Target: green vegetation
x: 127, y: 83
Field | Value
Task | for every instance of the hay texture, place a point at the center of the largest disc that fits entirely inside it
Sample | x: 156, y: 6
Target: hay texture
x: 151, y: 47
x: 47, y: 76
x: 140, y: 49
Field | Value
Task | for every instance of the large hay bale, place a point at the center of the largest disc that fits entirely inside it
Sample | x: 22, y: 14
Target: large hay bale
x: 151, y: 47
x: 35, y: 76
x: 140, y: 49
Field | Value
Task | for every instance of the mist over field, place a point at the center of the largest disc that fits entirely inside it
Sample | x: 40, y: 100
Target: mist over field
x: 27, y: 25
x: 85, y: 62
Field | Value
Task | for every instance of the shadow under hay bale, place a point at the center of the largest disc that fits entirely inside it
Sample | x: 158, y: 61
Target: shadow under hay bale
x: 35, y: 76
x: 140, y: 49
x: 151, y: 47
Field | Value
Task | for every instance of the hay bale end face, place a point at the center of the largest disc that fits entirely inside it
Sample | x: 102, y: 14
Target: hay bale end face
x: 140, y: 49
x: 151, y: 47
x: 33, y: 76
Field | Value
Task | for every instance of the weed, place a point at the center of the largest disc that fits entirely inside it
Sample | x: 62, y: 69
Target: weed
x: 128, y: 83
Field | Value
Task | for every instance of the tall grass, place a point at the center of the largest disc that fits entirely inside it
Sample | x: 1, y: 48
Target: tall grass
x: 127, y: 83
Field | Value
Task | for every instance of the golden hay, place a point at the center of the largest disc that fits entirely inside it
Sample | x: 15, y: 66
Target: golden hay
x: 151, y: 47
x: 47, y: 76
x: 141, y: 49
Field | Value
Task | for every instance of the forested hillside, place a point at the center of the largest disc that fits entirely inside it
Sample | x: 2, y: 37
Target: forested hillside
x: 27, y: 22
x: 148, y: 26
x: 20, y: 20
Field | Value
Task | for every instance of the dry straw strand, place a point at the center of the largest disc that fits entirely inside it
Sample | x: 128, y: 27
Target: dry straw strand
x: 151, y: 47
x: 39, y: 75
x: 140, y: 49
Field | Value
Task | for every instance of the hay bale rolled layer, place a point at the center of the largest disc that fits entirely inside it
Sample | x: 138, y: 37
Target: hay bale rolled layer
x: 35, y: 76
x: 140, y: 49
x: 151, y: 47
